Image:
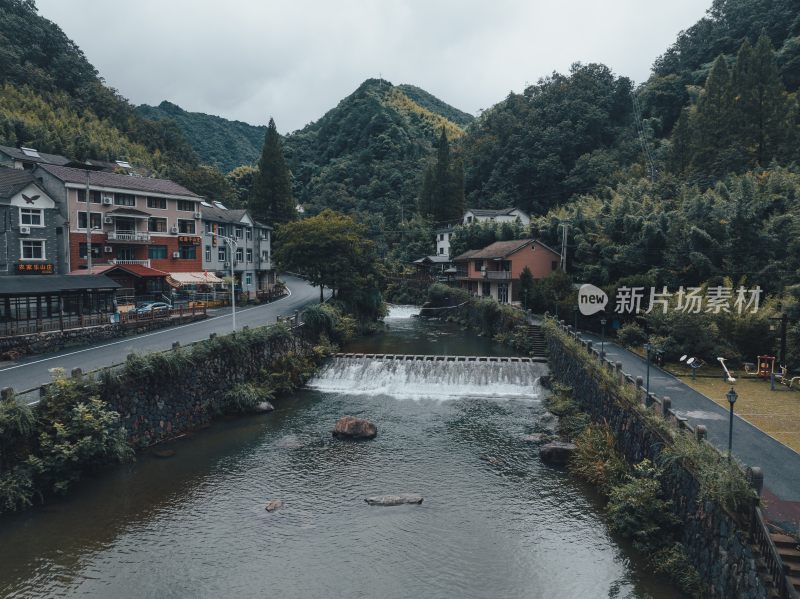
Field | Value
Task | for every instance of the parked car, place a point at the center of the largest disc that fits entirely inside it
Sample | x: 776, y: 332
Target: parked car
x: 153, y: 309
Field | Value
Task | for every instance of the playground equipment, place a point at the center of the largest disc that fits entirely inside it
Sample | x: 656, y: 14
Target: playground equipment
x: 693, y: 363
x: 763, y: 368
x: 786, y: 380
x: 728, y: 373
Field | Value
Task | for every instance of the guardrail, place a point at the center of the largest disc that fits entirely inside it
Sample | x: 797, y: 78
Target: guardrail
x: 757, y: 525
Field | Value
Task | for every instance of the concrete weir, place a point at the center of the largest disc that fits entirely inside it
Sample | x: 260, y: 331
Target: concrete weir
x: 437, y: 358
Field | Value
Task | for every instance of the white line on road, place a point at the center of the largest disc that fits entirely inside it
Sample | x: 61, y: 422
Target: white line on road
x: 127, y: 339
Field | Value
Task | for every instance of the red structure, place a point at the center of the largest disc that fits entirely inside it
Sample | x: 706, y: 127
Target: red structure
x: 766, y: 366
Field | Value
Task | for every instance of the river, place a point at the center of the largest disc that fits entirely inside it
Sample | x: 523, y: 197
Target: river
x: 495, y: 522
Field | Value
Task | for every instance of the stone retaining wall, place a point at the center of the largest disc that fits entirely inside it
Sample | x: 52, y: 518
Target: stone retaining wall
x: 715, y: 540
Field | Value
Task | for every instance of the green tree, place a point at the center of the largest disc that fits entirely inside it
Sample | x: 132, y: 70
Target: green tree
x: 442, y: 194
x: 713, y: 121
x: 332, y: 250
x: 271, y: 198
x: 526, y: 284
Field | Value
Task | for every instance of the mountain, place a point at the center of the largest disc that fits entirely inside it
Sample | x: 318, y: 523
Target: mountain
x: 217, y: 141
x: 369, y: 152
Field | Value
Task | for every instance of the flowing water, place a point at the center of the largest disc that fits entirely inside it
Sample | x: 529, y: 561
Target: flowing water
x: 495, y: 522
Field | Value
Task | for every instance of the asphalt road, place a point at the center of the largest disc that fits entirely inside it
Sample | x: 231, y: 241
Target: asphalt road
x: 32, y: 371
x: 751, y: 446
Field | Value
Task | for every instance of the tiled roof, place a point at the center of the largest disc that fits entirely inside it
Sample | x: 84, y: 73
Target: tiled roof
x: 465, y: 256
x: 221, y: 215
x: 121, y: 182
x: 33, y: 284
x: 500, y: 249
x: 138, y: 270
x: 43, y: 157
x: 121, y: 211
x: 435, y: 259
x: 489, y: 212
x: 12, y: 180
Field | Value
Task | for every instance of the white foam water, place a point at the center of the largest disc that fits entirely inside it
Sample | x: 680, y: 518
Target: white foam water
x: 397, y: 312
x: 429, y: 379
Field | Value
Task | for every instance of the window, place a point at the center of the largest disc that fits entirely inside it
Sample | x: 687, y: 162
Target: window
x: 208, y: 253
x: 157, y: 225
x: 478, y: 265
x: 32, y: 249
x: 124, y: 199
x: 441, y: 236
x: 265, y: 255
x: 186, y: 205
x: 186, y: 226
x: 188, y: 252
x: 220, y: 229
x: 95, y: 195
x: 248, y: 234
x: 249, y: 255
x: 239, y: 254
x: 554, y: 265
x: 469, y: 219
x: 221, y: 254
x: 502, y: 293
x: 441, y: 251
x: 238, y: 232
x: 248, y: 278
x: 96, y: 220
x: 208, y: 227
x: 32, y: 217
x: 96, y: 248
x: 158, y: 203
x: 126, y: 253
x: 157, y: 252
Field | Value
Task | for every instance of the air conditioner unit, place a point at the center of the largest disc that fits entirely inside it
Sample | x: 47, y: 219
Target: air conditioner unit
x: 108, y: 249
x: 227, y: 265
x: 174, y: 230
x: 109, y: 220
x: 176, y: 254
x: 24, y: 230
x: 108, y: 201
x: 198, y: 215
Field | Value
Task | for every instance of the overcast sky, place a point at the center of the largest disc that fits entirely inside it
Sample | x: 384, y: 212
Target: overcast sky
x: 294, y: 60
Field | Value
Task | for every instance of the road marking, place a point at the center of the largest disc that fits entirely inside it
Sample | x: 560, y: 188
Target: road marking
x: 127, y: 339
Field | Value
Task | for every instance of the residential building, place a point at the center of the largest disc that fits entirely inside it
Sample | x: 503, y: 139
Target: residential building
x: 503, y: 215
x: 31, y: 227
x: 152, y: 223
x: 28, y: 158
x: 495, y: 270
x: 250, y: 251
x: 443, y: 241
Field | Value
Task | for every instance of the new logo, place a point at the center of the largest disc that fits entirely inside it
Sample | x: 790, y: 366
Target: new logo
x: 591, y: 299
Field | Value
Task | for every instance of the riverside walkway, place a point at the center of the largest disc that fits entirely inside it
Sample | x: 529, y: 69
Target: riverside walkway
x: 751, y: 446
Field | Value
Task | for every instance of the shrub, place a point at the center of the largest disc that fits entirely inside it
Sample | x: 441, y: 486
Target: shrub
x: 596, y: 459
x: 17, y: 423
x: 673, y: 562
x: 637, y: 511
x: 16, y: 489
x: 632, y: 335
x: 440, y: 295
x: 242, y: 398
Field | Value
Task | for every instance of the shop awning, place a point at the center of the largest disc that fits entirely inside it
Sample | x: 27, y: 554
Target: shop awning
x: 179, y: 279
x: 43, y: 284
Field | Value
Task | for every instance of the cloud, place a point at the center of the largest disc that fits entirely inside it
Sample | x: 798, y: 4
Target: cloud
x: 249, y: 60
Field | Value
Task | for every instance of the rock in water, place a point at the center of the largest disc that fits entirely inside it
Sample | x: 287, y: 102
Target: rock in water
x: 390, y: 500
x: 273, y: 505
x: 557, y: 452
x: 264, y: 407
x: 350, y: 427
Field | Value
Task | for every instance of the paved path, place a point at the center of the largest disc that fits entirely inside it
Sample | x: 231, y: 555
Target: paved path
x: 751, y: 446
x: 33, y: 371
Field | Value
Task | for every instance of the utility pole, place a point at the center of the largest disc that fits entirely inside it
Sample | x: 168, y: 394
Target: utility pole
x: 231, y: 243
x: 565, y: 227
x: 88, y: 226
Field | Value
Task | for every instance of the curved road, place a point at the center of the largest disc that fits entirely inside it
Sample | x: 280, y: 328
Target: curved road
x: 33, y: 371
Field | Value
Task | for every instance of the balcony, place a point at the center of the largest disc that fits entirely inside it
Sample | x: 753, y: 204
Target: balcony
x: 118, y: 262
x: 129, y: 236
x: 497, y: 275
x: 462, y: 275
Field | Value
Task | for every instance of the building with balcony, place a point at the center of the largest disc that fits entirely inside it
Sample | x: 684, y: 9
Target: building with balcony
x: 247, y: 248
x: 495, y: 270
x: 151, y: 223
x: 31, y: 227
x: 503, y: 215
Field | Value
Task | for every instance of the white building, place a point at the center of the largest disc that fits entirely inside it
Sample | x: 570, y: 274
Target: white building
x: 503, y: 215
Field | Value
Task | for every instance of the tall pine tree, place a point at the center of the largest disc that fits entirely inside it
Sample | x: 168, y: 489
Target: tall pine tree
x: 271, y: 198
x: 442, y: 193
x: 712, y: 122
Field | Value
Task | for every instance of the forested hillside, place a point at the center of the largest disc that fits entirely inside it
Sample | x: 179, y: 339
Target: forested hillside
x: 368, y: 154
x: 217, y: 141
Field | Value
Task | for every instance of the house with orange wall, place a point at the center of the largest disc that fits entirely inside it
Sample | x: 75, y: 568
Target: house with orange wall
x: 495, y: 270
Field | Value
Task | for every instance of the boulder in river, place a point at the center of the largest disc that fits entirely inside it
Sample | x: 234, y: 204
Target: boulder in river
x: 557, y: 452
x: 350, y: 427
x: 536, y: 438
x: 273, y: 505
x: 391, y: 500
x: 263, y: 407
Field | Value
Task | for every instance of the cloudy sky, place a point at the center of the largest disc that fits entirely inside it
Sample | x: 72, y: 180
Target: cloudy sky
x: 251, y: 59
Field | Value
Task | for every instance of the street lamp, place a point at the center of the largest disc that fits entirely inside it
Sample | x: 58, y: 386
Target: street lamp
x: 602, y: 338
x: 732, y: 397
x: 232, y: 245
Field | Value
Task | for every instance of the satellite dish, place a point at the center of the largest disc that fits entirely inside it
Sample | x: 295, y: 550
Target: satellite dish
x: 689, y: 362
x: 683, y: 357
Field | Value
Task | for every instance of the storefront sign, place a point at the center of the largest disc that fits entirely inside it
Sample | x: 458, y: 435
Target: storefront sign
x: 191, y: 239
x: 37, y: 268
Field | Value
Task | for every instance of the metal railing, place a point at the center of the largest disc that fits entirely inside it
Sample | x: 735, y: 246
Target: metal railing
x: 128, y: 236
x: 124, y: 262
x: 497, y: 275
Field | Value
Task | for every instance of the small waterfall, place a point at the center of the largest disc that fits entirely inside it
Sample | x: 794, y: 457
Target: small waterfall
x: 420, y: 379
x: 397, y: 312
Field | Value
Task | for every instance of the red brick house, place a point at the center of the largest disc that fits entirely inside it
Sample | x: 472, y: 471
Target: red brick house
x: 495, y: 270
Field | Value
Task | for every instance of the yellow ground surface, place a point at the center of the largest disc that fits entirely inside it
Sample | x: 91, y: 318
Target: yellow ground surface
x: 777, y: 413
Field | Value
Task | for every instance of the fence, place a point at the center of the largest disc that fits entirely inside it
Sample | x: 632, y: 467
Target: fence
x: 757, y: 525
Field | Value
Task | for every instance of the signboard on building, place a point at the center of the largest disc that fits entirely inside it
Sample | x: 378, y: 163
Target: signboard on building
x: 35, y: 268
x: 190, y: 239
